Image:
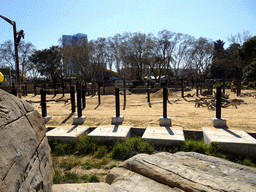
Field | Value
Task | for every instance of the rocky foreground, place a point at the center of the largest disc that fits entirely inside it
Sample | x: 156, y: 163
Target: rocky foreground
x: 173, y: 172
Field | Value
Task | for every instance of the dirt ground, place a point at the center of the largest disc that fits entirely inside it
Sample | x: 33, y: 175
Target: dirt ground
x: 137, y: 112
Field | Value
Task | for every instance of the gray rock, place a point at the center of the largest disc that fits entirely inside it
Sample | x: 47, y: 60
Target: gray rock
x: 133, y: 182
x: 25, y: 162
x: 85, y: 187
x: 187, y: 172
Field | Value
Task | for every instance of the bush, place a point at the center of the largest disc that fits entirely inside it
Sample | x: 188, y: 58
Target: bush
x: 85, y: 145
x: 251, y: 85
x: 227, y: 84
x: 93, y: 178
x: 70, y: 177
x: 57, y: 179
x: 68, y: 164
x: 101, y: 151
x: 59, y: 148
x: 193, y: 146
x: 131, y: 147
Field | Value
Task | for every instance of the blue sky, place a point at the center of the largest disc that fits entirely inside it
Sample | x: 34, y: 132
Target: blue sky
x: 45, y: 21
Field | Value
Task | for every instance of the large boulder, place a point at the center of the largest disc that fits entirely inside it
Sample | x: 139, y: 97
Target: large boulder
x: 25, y: 162
x: 181, y: 172
x: 85, y: 187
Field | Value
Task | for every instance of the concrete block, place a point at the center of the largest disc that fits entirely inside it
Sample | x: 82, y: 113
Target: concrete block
x: 165, y: 121
x: 110, y: 133
x: 47, y: 118
x: 234, y: 141
x: 218, y: 122
x: 117, y: 120
x: 164, y: 135
x: 67, y: 133
x: 79, y: 120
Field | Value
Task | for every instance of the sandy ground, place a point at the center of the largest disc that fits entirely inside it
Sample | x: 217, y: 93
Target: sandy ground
x: 138, y: 113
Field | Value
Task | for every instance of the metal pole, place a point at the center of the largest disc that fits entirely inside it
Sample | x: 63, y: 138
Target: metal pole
x: 104, y: 93
x: 223, y: 86
x: 55, y: 87
x: 182, y: 90
x: 17, y: 60
x: 148, y: 94
x: 72, y: 96
x: 83, y: 96
x: 63, y: 89
x: 98, y: 93
x: 164, y: 102
x: 117, y: 102
x: 26, y: 89
x: 218, y: 103
x: 35, y: 89
x: 43, y: 102
x: 14, y: 91
x: 124, y: 93
x: 197, y: 87
x: 79, y: 109
x: 16, y: 53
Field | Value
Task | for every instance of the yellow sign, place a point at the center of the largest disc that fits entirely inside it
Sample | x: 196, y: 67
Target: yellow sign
x: 1, y: 77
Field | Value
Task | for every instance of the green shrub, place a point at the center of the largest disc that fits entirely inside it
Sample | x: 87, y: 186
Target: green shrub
x: 227, y: 84
x: 57, y: 179
x: 59, y: 148
x: 101, y: 151
x: 110, y: 167
x: 69, y: 164
x: 251, y: 84
x: 85, y: 145
x: 70, y: 177
x: 93, y: 178
x: 248, y: 162
x: 193, y: 146
x: 254, y: 84
x: 130, y: 147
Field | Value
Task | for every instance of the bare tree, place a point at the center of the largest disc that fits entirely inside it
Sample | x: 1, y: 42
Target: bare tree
x: 239, y: 38
x: 8, y: 56
x: 199, y: 58
x: 180, y: 53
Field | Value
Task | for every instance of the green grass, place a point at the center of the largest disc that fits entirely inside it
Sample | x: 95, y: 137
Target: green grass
x: 131, y: 147
x: 110, y: 167
x: 69, y: 177
x: 127, y: 148
x: 98, y: 124
x: 89, y: 164
x: 68, y: 164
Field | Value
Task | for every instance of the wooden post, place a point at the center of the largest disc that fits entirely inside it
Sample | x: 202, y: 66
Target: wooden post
x: 98, y: 93
x: 79, y: 108
x: 83, y: 96
x: 72, y: 96
x: 43, y: 102
x: 182, y: 89
x: 35, y: 89
x: 164, y: 102
x: 218, y: 103
x: 117, y: 102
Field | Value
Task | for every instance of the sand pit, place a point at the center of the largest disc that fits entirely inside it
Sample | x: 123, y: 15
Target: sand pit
x: 137, y: 112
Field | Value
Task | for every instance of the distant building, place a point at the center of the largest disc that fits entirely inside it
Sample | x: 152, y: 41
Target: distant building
x: 72, y: 40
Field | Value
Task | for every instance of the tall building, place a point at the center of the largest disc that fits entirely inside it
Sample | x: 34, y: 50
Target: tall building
x: 72, y: 40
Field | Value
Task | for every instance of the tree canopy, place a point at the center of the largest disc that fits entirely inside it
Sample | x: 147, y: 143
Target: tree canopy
x: 48, y: 62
